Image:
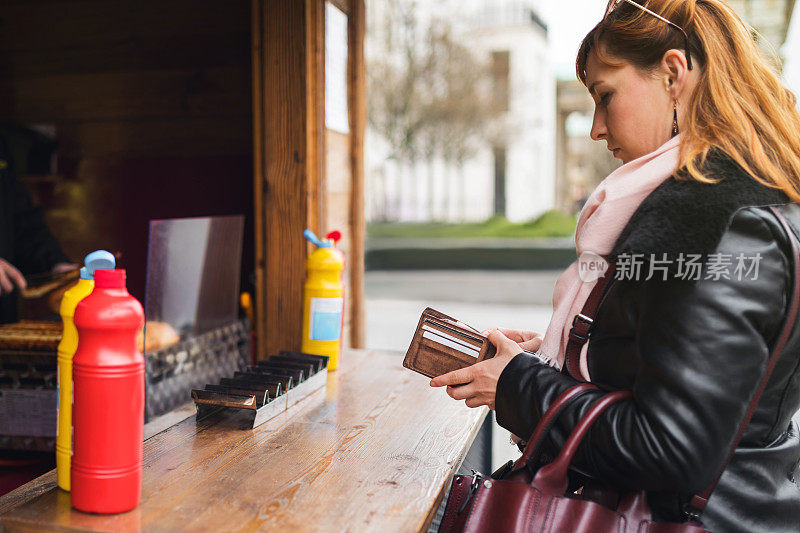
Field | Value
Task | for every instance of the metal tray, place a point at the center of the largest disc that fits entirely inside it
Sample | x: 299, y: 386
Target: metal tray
x: 263, y: 392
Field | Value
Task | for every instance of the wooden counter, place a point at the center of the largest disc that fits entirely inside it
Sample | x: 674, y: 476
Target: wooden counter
x: 373, y: 451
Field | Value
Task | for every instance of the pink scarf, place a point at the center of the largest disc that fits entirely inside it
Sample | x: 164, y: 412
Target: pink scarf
x: 605, y: 214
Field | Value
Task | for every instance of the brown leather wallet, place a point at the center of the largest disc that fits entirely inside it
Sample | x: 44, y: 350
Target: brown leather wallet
x: 442, y: 344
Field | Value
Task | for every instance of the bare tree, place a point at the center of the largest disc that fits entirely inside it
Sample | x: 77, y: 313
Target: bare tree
x: 461, y: 109
x: 430, y: 97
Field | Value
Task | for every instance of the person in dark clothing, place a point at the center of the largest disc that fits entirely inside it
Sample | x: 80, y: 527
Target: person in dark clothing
x: 684, y: 99
x: 26, y: 245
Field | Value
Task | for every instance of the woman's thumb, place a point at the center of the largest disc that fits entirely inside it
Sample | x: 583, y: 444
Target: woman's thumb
x: 531, y: 345
x: 499, y: 339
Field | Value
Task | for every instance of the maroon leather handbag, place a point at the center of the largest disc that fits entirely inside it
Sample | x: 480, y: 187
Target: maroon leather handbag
x: 521, y: 499
x: 540, y: 502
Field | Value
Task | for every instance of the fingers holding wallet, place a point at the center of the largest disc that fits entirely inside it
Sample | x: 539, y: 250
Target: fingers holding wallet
x: 477, y: 384
x: 506, y: 347
x: 528, y: 340
x: 461, y: 358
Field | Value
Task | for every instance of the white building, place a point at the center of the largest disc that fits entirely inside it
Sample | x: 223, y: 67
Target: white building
x: 791, y: 51
x: 519, y: 166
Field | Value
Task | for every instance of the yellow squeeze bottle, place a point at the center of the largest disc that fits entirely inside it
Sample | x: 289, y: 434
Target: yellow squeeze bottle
x: 323, y: 300
x: 66, y: 349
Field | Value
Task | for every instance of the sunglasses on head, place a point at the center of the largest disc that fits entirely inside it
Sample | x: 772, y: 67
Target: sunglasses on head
x: 612, y: 5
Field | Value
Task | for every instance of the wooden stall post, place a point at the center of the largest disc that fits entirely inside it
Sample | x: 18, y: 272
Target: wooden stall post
x: 358, y: 119
x: 288, y: 40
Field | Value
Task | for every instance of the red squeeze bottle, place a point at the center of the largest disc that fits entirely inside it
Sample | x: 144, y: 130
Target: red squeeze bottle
x: 108, y: 398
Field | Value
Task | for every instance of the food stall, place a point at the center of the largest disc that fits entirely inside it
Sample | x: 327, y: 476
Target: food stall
x: 181, y: 109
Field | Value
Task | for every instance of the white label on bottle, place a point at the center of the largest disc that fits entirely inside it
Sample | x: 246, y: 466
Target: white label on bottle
x: 325, y: 321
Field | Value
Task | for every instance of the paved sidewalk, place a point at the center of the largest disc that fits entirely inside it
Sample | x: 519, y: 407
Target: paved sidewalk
x: 390, y: 243
x: 524, y: 288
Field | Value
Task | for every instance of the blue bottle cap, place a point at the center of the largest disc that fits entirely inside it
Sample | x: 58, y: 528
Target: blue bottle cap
x: 310, y: 237
x: 99, y: 259
x: 85, y: 274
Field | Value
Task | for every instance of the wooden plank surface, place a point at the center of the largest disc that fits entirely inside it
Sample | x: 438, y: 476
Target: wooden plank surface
x: 373, y: 451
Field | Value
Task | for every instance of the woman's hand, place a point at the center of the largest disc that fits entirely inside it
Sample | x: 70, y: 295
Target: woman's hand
x: 477, y: 384
x: 527, y: 340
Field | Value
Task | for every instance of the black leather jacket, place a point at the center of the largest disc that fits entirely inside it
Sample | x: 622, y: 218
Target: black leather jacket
x: 693, y: 353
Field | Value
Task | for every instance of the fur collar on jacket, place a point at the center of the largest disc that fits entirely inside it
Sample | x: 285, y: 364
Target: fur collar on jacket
x: 691, y: 217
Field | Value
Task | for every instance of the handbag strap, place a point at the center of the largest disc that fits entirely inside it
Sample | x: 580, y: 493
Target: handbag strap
x: 699, y: 501
x: 553, y: 477
x: 534, y: 443
x: 582, y: 324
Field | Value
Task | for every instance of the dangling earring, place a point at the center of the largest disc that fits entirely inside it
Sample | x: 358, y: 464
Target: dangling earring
x: 674, y: 118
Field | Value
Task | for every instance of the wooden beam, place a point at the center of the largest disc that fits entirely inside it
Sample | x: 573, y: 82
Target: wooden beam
x: 259, y: 173
x: 288, y: 183
x: 356, y: 88
x: 315, y: 127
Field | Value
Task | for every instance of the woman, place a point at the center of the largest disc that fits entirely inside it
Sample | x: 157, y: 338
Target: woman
x: 708, y: 138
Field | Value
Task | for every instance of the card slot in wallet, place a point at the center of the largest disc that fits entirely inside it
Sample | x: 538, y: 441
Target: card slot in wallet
x: 442, y: 344
x: 451, y: 343
x: 466, y: 336
x: 447, y: 334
